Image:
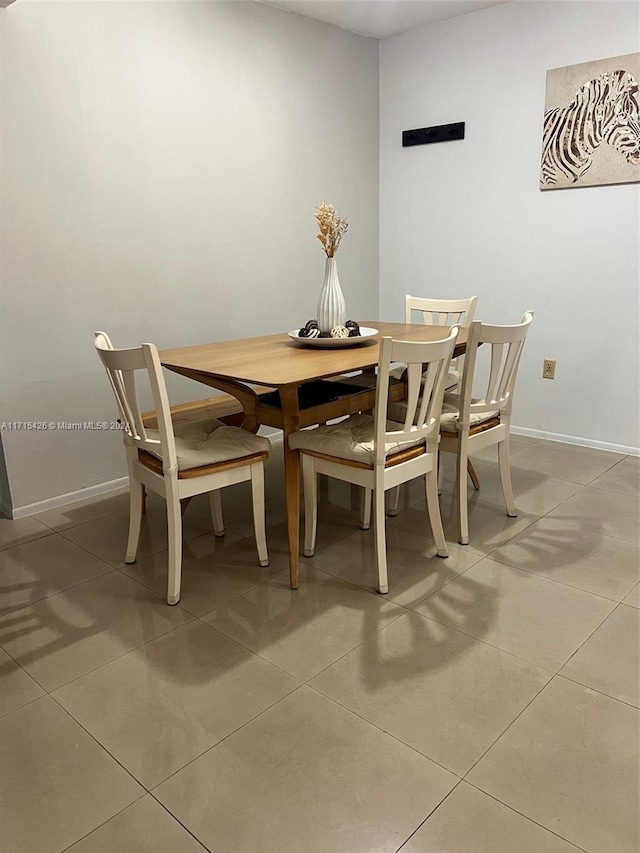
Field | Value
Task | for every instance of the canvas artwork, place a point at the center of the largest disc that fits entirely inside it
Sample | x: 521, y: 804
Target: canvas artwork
x: 591, y: 133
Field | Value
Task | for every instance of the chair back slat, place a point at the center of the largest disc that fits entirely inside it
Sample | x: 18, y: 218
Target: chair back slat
x: 427, y: 367
x: 441, y: 312
x: 495, y: 372
x: 121, y: 366
x: 506, y: 344
x: 135, y: 419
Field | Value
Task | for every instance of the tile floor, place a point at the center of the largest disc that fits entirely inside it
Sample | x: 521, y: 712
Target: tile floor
x: 488, y: 704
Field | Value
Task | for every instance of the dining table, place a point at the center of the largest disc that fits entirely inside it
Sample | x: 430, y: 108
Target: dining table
x: 291, y: 384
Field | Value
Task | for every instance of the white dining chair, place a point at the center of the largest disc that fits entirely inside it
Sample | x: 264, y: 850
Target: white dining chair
x: 179, y: 462
x: 437, y: 312
x: 443, y: 312
x: 378, y: 454
x: 471, y: 423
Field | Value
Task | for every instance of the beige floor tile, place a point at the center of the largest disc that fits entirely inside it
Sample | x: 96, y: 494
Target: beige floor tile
x: 237, y: 502
x: 469, y: 821
x: 144, y: 827
x: 305, y: 629
x: 214, y: 570
x: 414, y: 568
x: 20, y: 530
x: 604, y: 512
x: 172, y: 699
x: 42, y: 568
x: 57, y: 783
x: 610, y: 659
x: 537, y: 619
x: 571, y: 551
x: 570, y: 762
x: 489, y: 526
x: 518, y: 443
x: 534, y: 493
x: 73, y: 514
x: 106, y: 537
x: 334, y: 525
x: 435, y: 689
x: 17, y: 688
x: 633, y: 599
x: 567, y: 461
x: 306, y: 776
x: 67, y: 635
x: 623, y: 477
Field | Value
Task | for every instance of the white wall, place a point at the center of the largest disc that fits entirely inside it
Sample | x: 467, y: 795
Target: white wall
x: 467, y: 217
x: 160, y: 166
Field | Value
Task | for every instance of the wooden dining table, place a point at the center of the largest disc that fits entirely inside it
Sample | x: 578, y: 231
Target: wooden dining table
x: 310, y: 385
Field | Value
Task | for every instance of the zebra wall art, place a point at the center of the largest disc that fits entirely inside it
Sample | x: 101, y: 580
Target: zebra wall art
x: 593, y: 136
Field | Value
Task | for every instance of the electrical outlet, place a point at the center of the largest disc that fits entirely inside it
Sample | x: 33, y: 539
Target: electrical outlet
x: 549, y: 368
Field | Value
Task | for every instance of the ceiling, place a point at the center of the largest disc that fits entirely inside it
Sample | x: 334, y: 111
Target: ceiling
x: 381, y: 18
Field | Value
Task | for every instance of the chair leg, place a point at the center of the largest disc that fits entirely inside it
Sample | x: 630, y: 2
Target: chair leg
x: 461, y: 476
x: 471, y: 471
x: 257, y: 496
x: 394, y: 501
x: 433, y: 505
x: 310, y: 480
x: 174, y: 524
x: 379, y: 521
x: 504, y: 464
x: 215, y: 502
x: 440, y: 472
x: 365, y: 521
x: 136, y: 502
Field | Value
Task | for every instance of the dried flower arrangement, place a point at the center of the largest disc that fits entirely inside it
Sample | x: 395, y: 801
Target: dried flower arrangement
x: 332, y: 227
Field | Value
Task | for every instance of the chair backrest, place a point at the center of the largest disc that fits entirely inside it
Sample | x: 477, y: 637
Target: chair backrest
x: 427, y: 366
x: 442, y: 312
x: 121, y: 366
x: 506, y: 343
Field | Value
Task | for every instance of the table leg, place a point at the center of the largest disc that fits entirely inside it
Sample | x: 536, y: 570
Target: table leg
x: 290, y: 423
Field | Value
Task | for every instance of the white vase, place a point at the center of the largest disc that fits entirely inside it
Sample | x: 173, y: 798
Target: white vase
x: 331, y: 308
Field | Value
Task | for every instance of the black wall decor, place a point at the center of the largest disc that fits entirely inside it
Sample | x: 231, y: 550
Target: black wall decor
x: 439, y: 133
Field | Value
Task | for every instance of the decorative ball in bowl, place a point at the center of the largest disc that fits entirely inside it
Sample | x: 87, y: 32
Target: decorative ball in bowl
x: 311, y: 330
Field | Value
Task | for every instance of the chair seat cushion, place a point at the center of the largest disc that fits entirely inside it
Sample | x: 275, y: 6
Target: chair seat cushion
x: 453, y: 377
x: 451, y: 414
x: 349, y: 439
x: 209, y: 442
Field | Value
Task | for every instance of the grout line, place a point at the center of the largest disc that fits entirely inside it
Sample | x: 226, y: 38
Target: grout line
x: 513, y: 567
x: 57, y: 592
x: 87, y: 834
x: 526, y: 817
x: 41, y: 534
x: 597, y: 690
x: 118, y: 657
x: 20, y: 707
x: 102, y: 747
x: 247, y: 648
x: 540, y: 666
x: 517, y: 717
x: 222, y: 740
x: 385, y: 732
x: 434, y: 809
x: 179, y: 822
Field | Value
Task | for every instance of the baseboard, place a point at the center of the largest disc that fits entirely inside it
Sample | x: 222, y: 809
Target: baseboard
x: 101, y: 489
x: 276, y: 438
x: 576, y: 439
x: 71, y: 497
